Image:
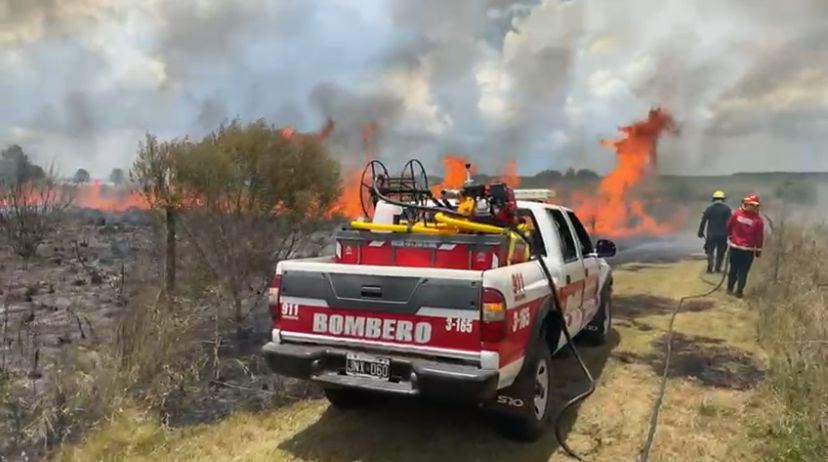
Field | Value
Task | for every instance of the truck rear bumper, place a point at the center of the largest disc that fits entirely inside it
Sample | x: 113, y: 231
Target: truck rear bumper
x: 410, y: 376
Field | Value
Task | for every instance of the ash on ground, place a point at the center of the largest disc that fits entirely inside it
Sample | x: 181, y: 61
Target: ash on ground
x: 72, y: 296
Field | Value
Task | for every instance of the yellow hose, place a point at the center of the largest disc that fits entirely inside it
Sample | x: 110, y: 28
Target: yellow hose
x: 430, y: 225
x: 448, y: 225
x: 467, y: 225
x: 488, y: 229
x: 422, y: 228
x: 419, y: 228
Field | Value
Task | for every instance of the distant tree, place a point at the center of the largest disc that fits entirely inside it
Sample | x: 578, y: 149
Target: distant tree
x: 117, y: 176
x: 586, y: 174
x: 570, y: 172
x: 549, y: 175
x: 81, y: 176
x: 15, y: 166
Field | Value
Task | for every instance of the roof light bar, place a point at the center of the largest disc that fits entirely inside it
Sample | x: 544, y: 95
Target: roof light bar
x: 539, y: 195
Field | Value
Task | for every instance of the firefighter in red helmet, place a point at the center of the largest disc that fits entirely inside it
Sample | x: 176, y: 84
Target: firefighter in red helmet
x: 745, y: 236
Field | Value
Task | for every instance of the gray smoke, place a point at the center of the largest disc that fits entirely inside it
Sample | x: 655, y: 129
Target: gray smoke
x: 541, y: 81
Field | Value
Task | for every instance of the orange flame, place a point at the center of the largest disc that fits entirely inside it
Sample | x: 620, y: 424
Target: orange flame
x: 108, y: 198
x: 616, y: 212
x: 287, y: 132
x: 454, y: 173
x: 509, y: 175
x: 349, y: 203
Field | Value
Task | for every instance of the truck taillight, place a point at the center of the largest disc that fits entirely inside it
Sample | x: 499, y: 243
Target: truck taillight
x: 493, y: 317
x: 273, y: 299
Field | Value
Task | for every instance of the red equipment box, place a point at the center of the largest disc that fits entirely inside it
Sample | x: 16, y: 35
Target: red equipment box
x: 454, y: 251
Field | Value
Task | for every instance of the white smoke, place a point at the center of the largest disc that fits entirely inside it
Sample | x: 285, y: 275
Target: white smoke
x: 541, y: 81
x: 746, y: 80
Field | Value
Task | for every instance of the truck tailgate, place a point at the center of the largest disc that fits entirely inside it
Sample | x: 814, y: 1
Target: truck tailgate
x: 434, y: 312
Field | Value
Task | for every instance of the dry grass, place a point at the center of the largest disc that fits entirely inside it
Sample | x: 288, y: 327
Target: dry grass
x: 792, y: 302
x: 151, y: 357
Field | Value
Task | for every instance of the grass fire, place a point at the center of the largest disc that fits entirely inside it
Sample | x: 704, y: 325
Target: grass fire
x: 394, y: 230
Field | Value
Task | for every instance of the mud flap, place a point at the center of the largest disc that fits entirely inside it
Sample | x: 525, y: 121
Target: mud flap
x: 596, y: 324
x: 515, y: 399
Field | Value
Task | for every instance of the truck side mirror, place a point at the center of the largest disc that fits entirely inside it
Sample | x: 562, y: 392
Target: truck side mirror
x: 605, y: 248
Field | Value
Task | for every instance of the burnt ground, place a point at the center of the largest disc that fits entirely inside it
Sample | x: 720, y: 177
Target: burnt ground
x: 708, y: 360
x: 71, y: 297
x: 70, y: 293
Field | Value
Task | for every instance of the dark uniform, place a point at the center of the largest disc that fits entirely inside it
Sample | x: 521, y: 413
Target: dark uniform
x: 715, y: 219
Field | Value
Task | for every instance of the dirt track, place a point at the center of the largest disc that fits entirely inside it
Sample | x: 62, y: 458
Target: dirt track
x: 705, y: 416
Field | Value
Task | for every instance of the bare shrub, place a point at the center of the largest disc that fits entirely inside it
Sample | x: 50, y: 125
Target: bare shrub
x: 29, y: 209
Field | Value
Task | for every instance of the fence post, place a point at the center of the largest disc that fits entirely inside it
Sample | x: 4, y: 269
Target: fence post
x: 170, y: 250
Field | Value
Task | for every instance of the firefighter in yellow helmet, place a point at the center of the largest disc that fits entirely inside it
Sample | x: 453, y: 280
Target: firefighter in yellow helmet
x: 713, y: 229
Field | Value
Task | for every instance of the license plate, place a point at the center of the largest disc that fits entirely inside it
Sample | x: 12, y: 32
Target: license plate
x: 367, y: 366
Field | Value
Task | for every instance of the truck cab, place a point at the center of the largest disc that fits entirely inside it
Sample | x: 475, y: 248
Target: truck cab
x: 443, y: 316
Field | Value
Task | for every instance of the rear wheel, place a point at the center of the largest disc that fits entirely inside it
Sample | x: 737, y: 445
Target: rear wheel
x: 529, y: 423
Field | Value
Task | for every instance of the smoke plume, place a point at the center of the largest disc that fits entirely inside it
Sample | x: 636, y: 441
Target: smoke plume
x: 540, y: 81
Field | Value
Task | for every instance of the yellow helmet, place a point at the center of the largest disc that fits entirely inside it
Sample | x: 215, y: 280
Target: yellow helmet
x: 719, y: 195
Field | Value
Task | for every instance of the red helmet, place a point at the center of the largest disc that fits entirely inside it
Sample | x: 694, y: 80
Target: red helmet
x: 752, y: 199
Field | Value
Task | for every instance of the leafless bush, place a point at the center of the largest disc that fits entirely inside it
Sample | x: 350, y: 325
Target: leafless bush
x: 29, y: 209
x: 239, y: 250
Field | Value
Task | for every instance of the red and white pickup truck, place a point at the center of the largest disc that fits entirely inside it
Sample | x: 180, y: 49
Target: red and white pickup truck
x: 396, y: 313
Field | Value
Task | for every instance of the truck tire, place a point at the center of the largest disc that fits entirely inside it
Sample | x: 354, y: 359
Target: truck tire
x: 595, y: 333
x: 529, y: 425
x: 346, y: 398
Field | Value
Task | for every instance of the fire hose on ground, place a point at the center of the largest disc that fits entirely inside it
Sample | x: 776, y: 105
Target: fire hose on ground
x: 668, y: 354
